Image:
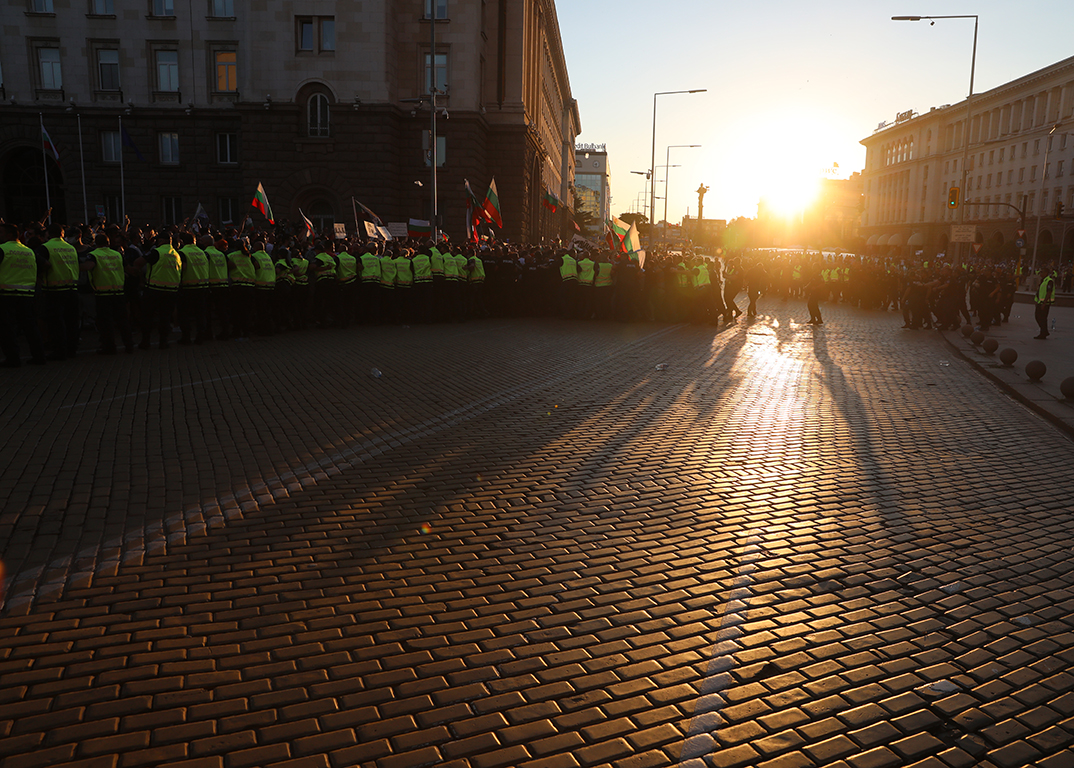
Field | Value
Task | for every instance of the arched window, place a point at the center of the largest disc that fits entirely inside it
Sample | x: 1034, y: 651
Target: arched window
x: 317, y: 116
x: 322, y: 216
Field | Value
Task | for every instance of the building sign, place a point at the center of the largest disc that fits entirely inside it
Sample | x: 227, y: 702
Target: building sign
x: 902, y: 117
x: 963, y: 233
x: 590, y: 147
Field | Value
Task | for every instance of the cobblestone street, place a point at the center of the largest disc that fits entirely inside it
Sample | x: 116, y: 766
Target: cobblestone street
x: 527, y: 545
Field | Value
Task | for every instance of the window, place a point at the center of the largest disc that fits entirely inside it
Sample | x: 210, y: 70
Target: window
x: 223, y: 9
x: 41, y: 6
x: 441, y: 149
x: 1033, y: 173
x: 1063, y: 141
x: 1001, y: 154
x: 1059, y: 170
x: 1025, y: 146
x: 318, y: 115
x: 441, y: 9
x: 1010, y: 176
x: 113, y: 208
x: 227, y: 72
x: 441, y: 73
x: 103, y: 8
x: 305, y: 34
x: 315, y: 33
x: 172, y: 210
x: 108, y: 69
x: 227, y: 210
x: 1047, y: 170
x: 169, y: 148
x: 1036, y: 147
x: 328, y: 34
x: 988, y: 181
x: 167, y: 70
x: 48, y: 62
x: 163, y: 7
x: 110, y: 146
x: 991, y: 156
x: 227, y: 148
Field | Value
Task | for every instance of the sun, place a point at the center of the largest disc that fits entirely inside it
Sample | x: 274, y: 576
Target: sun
x: 791, y: 195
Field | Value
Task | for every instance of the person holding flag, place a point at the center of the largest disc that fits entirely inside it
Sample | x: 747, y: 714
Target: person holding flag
x: 261, y: 203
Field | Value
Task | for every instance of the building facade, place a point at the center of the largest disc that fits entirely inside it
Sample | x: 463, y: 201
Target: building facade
x: 1014, y: 171
x: 592, y: 182
x: 163, y: 104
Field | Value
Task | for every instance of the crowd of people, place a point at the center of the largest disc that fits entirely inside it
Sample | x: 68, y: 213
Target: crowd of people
x: 236, y: 283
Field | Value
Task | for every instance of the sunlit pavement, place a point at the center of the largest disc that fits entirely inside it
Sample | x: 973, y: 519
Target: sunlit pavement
x: 526, y: 545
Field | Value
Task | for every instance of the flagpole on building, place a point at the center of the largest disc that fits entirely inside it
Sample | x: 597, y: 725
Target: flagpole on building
x: 82, y: 166
x: 354, y: 210
x: 432, y: 96
x: 122, y: 186
x: 44, y: 167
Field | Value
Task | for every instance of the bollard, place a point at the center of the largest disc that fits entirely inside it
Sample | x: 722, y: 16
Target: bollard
x: 1008, y: 356
x: 990, y: 346
x: 1067, y: 388
x: 1035, y: 370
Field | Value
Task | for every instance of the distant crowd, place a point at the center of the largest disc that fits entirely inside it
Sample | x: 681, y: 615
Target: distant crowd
x: 191, y: 285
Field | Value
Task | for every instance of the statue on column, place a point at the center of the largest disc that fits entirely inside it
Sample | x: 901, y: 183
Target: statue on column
x: 701, y: 190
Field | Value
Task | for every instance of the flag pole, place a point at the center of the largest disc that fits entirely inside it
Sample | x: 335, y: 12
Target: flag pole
x: 354, y: 210
x: 44, y: 167
x: 82, y: 165
x: 122, y: 186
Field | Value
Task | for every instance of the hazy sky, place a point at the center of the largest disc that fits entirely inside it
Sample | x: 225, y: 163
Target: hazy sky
x: 792, y: 86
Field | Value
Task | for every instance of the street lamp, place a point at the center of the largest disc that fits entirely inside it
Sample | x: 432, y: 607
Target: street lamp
x: 648, y: 175
x: 652, y: 161
x: 1040, y: 197
x: 969, y: 102
x: 667, y: 182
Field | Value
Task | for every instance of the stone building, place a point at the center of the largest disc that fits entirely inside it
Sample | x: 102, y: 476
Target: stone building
x: 1014, y: 172
x: 199, y: 101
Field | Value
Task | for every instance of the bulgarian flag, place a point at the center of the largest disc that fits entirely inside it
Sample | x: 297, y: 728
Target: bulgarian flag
x: 491, y: 206
x: 419, y: 228
x: 46, y: 143
x: 261, y: 203
x: 550, y: 201
x: 617, y: 234
x: 307, y: 222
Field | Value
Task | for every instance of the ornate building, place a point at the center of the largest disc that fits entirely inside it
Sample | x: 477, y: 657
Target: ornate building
x: 1012, y: 167
x: 161, y: 105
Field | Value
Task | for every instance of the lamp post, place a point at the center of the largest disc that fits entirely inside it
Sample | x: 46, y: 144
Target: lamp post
x: 969, y: 102
x: 648, y: 176
x: 667, y: 182
x: 652, y: 161
x: 1040, y: 198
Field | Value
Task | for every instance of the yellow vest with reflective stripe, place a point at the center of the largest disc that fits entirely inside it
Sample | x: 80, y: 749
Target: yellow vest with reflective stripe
x: 164, y: 275
x: 195, y: 272
x: 62, y: 272
x: 586, y: 271
x: 437, y: 260
x: 217, y: 267
x: 568, y: 268
x: 423, y: 268
x: 370, y: 268
x: 18, y: 270
x: 404, y: 272
x: 240, y: 268
x: 387, y: 272
x: 264, y: 270
x: 604, y: 275
x: 701, y: 279
x: 451, y: 267
x: 477, y: 270
x: 300, y: 267
x: 107, y: 275
x: 348, y: 268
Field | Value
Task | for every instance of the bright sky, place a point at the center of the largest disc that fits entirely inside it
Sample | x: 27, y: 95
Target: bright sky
x: 793, y: 86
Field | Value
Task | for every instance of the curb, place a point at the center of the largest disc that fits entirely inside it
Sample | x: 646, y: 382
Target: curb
x: 1056, y: 420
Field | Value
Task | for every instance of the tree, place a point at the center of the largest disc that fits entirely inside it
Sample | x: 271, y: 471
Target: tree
x: 641, y: 221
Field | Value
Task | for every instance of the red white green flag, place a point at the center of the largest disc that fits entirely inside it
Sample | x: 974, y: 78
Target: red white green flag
x: 550, y: 201
x: 46, y: 142
x: 419, y: 228
x: 617, y: 234
x: 491, y: 206
x: 261, y: 203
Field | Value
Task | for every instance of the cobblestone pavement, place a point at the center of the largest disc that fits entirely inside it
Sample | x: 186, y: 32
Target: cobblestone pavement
x: 525, y: 545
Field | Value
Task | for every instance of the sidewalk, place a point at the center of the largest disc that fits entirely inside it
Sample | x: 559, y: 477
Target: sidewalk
x: 1057, y: 354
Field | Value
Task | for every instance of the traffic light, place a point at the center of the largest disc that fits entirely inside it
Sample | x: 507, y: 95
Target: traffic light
x: 952, y: 197
x: 1058, y: 209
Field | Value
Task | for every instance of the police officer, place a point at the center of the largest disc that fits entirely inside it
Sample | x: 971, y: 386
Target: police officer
x: 163, y: 269
x: 106, y: 276
x: 60, y: 291
x: 193, y: 298
x: 1044, y: 298
x: 19, y: 267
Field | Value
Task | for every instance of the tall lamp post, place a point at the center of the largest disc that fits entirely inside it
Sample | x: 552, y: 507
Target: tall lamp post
x: 969, y: 104
x: 648, y: 177
x: 1040, y: 197
x: 667, y: 182
x: 652, y: 160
